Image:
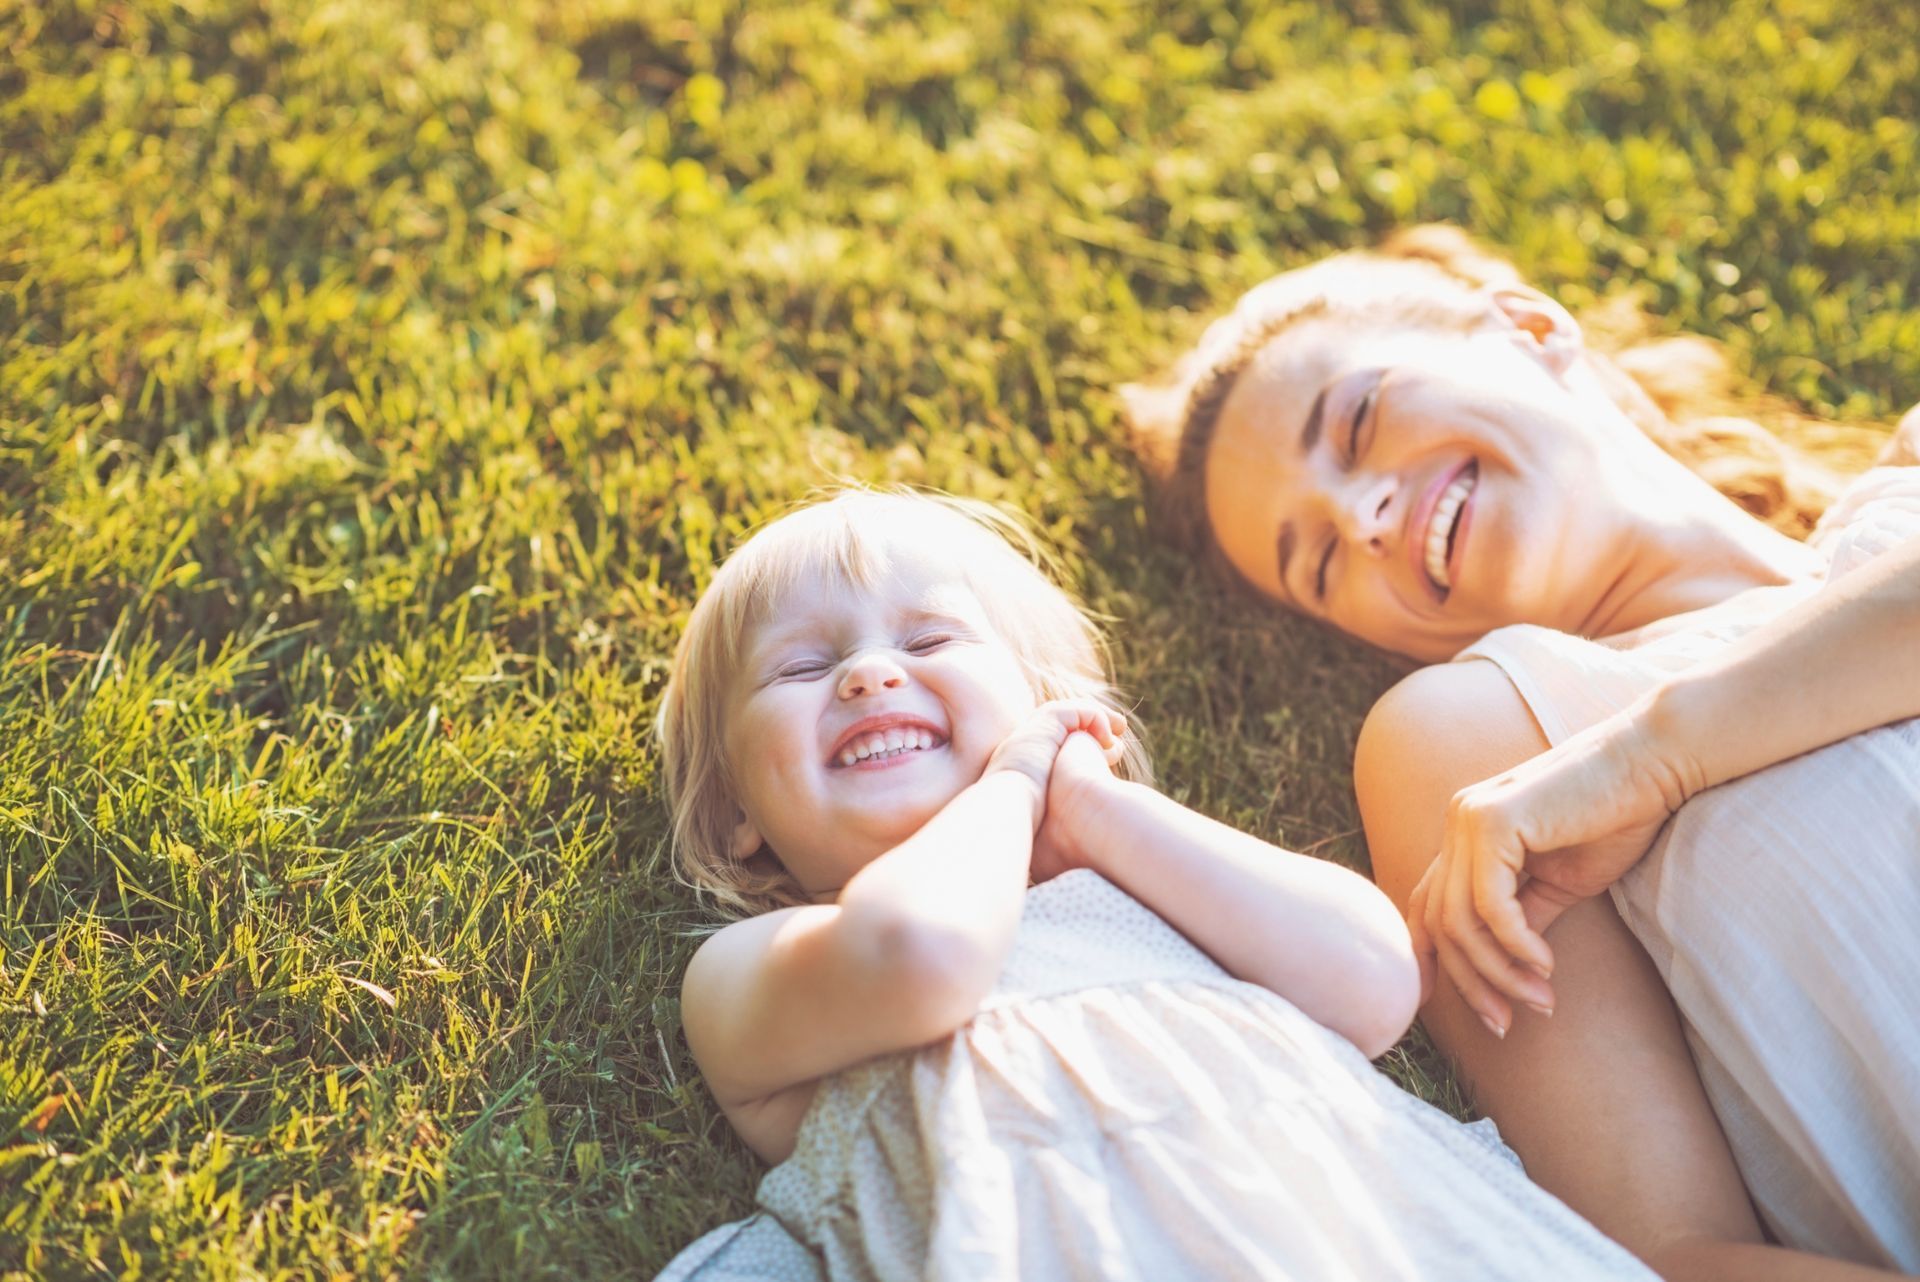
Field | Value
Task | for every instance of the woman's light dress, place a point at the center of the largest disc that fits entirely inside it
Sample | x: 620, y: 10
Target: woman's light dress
x: 1123, y: 1108
x: 1783, y: 911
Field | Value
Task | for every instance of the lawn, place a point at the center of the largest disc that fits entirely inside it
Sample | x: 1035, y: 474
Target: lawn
x: 379, y: 383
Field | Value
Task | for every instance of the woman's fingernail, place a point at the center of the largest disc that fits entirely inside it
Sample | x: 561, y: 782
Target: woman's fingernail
x: 1541, y: 1008
x: 1494, y: 1026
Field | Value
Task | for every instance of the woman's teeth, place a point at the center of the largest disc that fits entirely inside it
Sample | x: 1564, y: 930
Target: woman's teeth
x: 890, y: 743
x: 1446, y: 514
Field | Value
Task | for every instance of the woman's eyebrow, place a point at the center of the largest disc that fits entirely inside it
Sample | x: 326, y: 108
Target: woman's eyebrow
x: 1310, y: 434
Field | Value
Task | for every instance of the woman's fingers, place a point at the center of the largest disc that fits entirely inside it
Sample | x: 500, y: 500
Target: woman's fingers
x: 1479, y: 997
x: 1496, y: 901
x: 1493, y: 1009
x: 1476, y: 945
x: 1423, y: 953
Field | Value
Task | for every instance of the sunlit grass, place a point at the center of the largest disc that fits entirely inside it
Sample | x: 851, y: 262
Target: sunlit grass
x: 379, y: 384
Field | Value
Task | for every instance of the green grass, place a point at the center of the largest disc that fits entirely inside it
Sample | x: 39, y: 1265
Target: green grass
x: 379, y: 385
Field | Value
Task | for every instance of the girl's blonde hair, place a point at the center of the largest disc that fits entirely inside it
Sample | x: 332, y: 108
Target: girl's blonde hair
x: 1681, y: 391
x: 849, y: 538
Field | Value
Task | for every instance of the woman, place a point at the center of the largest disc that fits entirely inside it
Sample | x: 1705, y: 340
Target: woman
x: 1419, y: 449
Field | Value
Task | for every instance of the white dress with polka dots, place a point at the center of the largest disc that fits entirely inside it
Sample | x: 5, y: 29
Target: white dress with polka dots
x: 1120, y: 1108
x: 1783, y: 912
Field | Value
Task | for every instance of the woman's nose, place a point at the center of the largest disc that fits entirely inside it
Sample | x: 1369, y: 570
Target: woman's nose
x: 870, y: 672
x: 1369, y: 517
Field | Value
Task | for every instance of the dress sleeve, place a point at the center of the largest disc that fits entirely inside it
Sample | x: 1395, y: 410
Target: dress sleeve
x: 1878, y: 512
x: 1567, y: 682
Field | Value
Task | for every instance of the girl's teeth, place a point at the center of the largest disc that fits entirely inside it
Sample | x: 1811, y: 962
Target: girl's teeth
x: 891, y: 743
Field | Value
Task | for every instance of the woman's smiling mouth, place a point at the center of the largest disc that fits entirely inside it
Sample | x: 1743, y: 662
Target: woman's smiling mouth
x: 1441, y: 538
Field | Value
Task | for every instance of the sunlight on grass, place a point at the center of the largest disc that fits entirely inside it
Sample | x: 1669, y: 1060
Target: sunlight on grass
x: 380, y: 384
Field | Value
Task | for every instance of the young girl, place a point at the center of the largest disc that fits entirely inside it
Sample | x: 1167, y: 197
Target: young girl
x: 993, y: 1006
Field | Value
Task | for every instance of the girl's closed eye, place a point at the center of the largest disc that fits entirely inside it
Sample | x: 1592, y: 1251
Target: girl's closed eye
x: 801, y: 669
x: 928, y: 641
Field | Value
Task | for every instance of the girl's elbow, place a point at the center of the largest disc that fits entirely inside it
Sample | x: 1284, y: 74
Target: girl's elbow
x: 1389, y: 995
x: 1390, y: 1007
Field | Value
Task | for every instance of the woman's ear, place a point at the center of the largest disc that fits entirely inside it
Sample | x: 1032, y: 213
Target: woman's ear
x: 1153, y: 416
x: 747, y: 841
x: 1547, y: 329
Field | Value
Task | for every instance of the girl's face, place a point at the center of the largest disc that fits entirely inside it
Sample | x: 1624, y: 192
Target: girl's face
x: 858, y: 712
x: 1418, y: 489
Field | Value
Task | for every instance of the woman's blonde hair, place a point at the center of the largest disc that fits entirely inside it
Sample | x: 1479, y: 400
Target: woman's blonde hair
x: 1681, y: 391
x: 849, y: 538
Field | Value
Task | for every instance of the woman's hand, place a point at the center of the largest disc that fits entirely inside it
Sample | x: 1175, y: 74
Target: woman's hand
x: 1521, y: 848
x: 1034, y: 746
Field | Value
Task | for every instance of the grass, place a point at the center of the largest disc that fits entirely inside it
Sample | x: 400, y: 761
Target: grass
x: 379, y: 385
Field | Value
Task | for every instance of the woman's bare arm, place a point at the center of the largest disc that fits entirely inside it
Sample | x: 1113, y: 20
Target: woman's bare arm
x: 1842, y: 661
x: 1602, y: 1101
x: 1521, y: 847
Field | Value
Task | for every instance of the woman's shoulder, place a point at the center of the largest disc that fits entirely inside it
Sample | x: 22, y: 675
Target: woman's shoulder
x: 1443, y: 709
x: 1439, y: 730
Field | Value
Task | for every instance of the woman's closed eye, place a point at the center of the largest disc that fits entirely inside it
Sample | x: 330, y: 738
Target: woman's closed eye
x: 1354, y: 424
x: 1362, y: 415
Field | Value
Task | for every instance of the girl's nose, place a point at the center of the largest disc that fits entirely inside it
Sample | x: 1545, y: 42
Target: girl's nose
x: 870, y: 672
x: 1369, y: 518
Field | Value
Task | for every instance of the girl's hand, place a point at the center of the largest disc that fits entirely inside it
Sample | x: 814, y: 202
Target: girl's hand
x: 1081, y: 787
x: 1034, y: 745
x: 1523, y: 847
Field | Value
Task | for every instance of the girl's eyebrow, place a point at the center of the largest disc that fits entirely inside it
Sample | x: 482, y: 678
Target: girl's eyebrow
x: 777, y: 636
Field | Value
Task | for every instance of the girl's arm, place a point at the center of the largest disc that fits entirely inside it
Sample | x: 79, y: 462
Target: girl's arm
x: 913, y: 943
x: 1319, y: 935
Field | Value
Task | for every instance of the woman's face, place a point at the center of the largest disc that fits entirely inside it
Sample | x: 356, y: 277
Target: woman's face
x: 1418, y: 489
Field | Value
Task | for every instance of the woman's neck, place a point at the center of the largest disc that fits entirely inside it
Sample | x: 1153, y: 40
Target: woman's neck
x: 1695, y: 548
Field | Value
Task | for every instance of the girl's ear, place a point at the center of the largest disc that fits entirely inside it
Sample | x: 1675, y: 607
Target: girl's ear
x: 1543, y: 326
x: 747, y: 840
